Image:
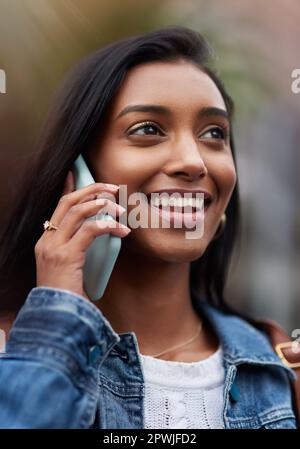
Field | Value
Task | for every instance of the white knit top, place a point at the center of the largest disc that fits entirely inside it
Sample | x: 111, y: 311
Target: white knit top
x: 183, y: 395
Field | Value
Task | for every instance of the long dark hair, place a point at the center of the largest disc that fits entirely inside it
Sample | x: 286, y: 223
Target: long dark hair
x: 73, y: 124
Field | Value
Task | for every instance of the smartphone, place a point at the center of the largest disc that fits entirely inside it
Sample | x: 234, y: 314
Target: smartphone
x: 102, y: 254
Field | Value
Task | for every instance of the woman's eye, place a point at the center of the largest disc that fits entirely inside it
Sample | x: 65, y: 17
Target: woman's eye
x: 138, y: 131
x: 215, y: 133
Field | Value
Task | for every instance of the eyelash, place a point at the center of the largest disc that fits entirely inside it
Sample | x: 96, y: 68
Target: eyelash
x: 142, y: 125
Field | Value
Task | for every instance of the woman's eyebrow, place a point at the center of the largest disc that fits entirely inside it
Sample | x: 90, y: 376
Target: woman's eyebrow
x: 157, y: 108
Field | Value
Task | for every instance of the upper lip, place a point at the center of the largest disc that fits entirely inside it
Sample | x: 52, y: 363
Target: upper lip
x: 207, y: 195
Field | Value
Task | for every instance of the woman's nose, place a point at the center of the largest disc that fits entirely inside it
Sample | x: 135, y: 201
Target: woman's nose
x: 186, y: 161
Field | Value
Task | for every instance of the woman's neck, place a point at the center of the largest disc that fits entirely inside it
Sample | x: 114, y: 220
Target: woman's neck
x: 152, y: 299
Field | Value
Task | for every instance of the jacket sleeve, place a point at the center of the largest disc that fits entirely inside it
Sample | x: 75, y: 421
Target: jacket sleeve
x: 49, y: 369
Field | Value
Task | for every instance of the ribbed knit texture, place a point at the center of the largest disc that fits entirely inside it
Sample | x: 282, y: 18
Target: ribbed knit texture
x: 184, y: 395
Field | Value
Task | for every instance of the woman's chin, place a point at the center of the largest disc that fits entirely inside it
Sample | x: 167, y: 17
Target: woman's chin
x: 166, y: 245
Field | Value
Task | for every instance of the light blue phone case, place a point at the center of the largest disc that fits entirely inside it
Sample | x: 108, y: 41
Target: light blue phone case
x: 103, y: 252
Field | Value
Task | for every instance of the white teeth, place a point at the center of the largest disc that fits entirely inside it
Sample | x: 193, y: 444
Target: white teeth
x: 156, y: 202
x: 177, y: 202
x: 199, y: 202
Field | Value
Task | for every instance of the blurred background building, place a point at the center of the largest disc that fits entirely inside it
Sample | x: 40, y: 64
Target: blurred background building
x: 257, y: 47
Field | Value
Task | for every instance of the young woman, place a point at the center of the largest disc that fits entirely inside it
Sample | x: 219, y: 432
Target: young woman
x: 161, y: 349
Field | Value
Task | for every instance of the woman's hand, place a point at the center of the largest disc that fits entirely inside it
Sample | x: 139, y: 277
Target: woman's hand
x: 60, y: 254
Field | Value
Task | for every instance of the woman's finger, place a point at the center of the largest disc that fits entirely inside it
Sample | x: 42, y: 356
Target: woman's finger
x: 91, y: 229
x: 77, y: 214
x: 71, y: 198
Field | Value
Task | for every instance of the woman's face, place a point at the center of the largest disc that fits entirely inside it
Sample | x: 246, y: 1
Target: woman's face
x: 184, y: 147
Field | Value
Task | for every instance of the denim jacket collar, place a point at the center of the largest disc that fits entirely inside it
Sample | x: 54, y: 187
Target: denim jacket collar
x: 241, y: 341
x: 67, y: 343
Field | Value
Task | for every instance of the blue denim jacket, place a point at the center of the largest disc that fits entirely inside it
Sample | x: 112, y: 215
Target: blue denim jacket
x: 65, y: 367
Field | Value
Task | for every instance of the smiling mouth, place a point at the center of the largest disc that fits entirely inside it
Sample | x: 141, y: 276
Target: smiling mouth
x: 180, y: 204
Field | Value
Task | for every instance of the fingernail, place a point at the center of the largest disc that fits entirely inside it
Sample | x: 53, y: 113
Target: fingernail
x: 112, y: 186
x: 121, y: 209
x: 126, y: 229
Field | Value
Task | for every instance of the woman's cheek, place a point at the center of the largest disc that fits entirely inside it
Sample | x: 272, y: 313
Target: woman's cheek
x: 226, y: 175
